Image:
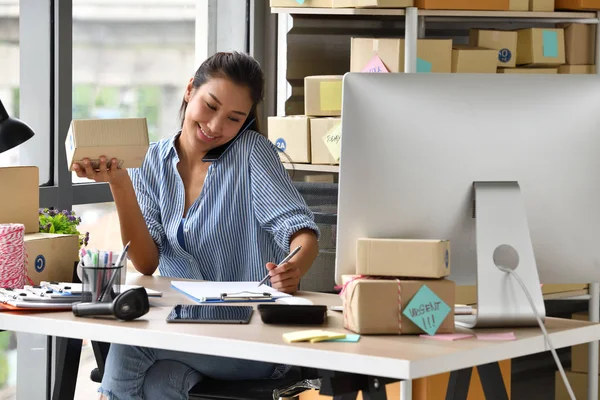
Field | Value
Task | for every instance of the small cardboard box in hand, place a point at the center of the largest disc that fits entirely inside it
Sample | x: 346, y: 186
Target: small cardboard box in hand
x: 393, y: 306
x: 124, y: 139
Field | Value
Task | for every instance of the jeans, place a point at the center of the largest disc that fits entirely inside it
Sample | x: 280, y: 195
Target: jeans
x: 134, y: 372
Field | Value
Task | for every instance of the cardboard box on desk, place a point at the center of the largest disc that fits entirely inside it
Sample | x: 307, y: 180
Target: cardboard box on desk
x: 291, y: 135
x: 433, y: 55
x: 473, y: 60
x: 124, y: 139
x: 323, y: 96
x: 391, y: 306
x: 504, y: 42
x: 540, y: 47
x: 51, y: 257
x: 580, y: 43
x: 20, y: 200
x: 403, y: 257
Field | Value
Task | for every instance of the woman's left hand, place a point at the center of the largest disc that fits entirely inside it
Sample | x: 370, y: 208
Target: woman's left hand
x: 284, y: 278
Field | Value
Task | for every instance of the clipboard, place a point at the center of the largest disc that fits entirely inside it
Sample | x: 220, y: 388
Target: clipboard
x: 240, y: 297
x: 227, y: 292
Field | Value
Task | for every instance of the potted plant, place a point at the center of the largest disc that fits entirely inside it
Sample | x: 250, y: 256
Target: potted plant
x: 65, y: 222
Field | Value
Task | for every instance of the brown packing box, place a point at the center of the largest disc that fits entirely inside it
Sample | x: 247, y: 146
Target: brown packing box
x: 577, y: 69
x: 580, y: 43
x: 323, y: 96
x: 579, y: 353
x: 528, y: 70
x: 541, y: 5
x: 505, y: 42
x: 291, y: 135
x: 51, y: 257
x: 343, y: 3
x: 124, y: 139
x: 473, y: 60
x: 541, y: 47
x: 497, y: 5
x: 519, y: 5
x: 577, y: 4
x: 371, y: 305
x: 319, y: 127
x: 468, y: 294
x: 403, y: 257
x: 435, y: 54
x: 578, y: 382
x: 22, y: 204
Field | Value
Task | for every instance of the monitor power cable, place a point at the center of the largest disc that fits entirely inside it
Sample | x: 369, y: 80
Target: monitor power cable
x: 542, y: 327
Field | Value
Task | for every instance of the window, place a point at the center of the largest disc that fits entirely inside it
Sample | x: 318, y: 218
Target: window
x: 132, y: 59
x: 9, y: 69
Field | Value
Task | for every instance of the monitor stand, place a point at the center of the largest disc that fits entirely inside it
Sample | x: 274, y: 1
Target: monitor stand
x: 502, y: 235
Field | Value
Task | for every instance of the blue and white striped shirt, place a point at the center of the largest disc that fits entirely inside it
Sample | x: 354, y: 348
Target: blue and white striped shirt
x: 244, y: 217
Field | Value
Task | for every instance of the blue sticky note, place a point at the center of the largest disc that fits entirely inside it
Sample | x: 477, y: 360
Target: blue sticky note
x: 353, y: 338
x: 423, y: 65
x: 427, y: 310
x: 300, y: 1
x: 550, y: 43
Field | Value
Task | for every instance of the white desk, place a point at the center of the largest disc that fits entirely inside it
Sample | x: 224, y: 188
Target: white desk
x: 400, y: 357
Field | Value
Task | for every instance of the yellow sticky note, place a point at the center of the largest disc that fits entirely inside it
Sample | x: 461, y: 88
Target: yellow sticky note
x: 331, y: 95
x: 312, y: 336
x: 333, y: 141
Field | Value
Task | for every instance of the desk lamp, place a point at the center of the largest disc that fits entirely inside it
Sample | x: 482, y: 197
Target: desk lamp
x: 12, y: 131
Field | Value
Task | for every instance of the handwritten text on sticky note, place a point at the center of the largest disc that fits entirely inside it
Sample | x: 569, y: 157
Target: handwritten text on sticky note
x: 331, y: 95
x: 427, y: 310
x: 333, y: 141
x: 375, y: 66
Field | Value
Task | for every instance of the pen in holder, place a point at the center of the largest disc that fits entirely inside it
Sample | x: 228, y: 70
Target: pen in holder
x: 100, y: 284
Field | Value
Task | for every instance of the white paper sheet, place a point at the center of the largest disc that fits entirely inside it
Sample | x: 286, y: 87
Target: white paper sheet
x: 202, y: 290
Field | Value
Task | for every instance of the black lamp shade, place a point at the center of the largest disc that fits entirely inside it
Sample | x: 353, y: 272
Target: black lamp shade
x: 12, y: 131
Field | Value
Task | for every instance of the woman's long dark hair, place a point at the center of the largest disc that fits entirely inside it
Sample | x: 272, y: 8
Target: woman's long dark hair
x: 238, y: 67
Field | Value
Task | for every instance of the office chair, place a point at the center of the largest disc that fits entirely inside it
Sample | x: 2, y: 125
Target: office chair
x: 322, y: 200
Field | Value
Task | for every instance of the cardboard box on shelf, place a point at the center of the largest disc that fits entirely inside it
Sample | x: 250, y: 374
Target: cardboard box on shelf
x: 51, y: 257
x: 433, y: 55
x: 528, y: 70
x: 577, y: 5
x: 473, y: 60
x: 21, y: 200
x: 492, y: 5
x: 124, y: 139
x: 403, y: 257
x: 319, y: 129
x: 578, y: 382
x: 541, y: 5
x: 323, y: 96
x: 343, y: 3
x: 580, y: 43
x: 577, y: 69
x: 291, y: 135
x: 504, y: 42
x: 432, y: 387
x: 541, y: 47
x: 371, y: 305
x: 518, y: 5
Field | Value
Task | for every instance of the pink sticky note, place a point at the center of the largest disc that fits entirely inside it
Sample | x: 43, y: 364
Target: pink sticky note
x: 448, y: 336
x: 496, y: 336
x: 375, y: 65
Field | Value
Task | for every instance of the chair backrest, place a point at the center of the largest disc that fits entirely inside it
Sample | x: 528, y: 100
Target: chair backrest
x: 322, y: 199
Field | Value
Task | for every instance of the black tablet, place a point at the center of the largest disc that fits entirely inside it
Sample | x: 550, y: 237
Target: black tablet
x: 210, y: 314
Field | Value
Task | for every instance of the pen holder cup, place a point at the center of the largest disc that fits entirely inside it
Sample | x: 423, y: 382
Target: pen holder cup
x: 100, y: 284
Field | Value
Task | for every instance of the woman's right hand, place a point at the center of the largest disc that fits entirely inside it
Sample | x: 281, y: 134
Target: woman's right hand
x: 106, y: 173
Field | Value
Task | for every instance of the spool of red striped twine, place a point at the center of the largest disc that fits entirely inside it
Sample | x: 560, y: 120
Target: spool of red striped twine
x: 13, y: 256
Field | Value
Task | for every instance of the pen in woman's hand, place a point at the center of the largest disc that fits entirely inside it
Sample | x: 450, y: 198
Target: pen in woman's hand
x: 292, y: 254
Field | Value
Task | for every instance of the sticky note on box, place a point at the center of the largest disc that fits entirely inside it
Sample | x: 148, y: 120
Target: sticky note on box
x: 124, y: 139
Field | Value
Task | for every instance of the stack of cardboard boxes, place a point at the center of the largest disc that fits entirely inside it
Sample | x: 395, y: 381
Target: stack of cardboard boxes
x: 400, y: 287
x: 50, y: 257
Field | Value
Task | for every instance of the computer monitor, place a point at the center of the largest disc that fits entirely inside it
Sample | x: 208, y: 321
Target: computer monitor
x: 416, y: 146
